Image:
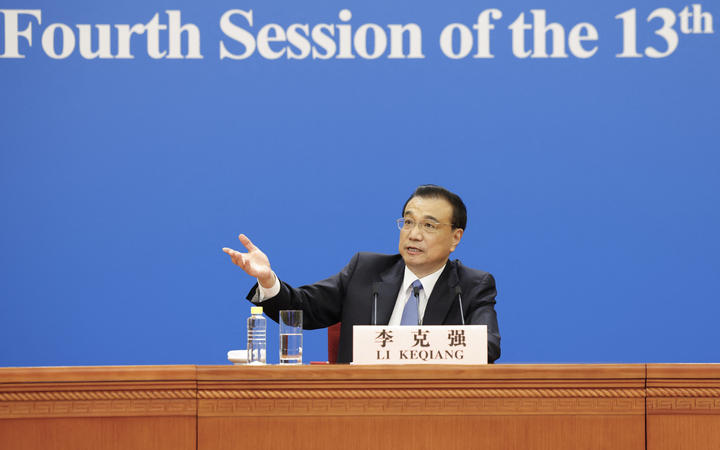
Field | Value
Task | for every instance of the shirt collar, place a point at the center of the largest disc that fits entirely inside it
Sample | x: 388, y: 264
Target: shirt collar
x: 427, y: 281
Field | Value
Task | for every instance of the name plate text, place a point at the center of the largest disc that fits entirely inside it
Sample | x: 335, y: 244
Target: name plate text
x: 433, y: 344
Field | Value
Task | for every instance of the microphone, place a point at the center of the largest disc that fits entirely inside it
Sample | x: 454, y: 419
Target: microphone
x: 416, y: 292
x: 458, y: 292
x: 375, y: 290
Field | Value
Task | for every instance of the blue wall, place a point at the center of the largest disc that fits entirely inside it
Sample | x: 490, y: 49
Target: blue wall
x: 592, y: 184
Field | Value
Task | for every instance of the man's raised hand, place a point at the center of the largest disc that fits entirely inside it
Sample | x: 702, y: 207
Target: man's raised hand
x: 254, y: 262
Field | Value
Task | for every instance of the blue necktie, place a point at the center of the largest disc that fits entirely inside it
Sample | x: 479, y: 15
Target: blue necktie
x: 410, y: 313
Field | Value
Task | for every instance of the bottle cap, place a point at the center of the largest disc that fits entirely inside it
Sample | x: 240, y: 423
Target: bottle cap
x: 256, y: 310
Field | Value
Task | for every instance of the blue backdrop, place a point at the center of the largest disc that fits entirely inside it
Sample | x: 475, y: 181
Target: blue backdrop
x: 591, y: 183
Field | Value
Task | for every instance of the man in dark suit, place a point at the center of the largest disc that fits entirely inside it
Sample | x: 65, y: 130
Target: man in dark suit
x: 418, y: 285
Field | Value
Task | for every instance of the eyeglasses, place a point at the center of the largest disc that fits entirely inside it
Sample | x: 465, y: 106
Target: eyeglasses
x: 425, y: 226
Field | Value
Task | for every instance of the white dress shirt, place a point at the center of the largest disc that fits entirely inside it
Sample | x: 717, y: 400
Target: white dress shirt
x: 264, y: 294
x: 428, y: 283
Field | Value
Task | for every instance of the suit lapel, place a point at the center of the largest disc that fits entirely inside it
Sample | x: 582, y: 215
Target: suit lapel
x: 441, y: 298
x: 390, y: 282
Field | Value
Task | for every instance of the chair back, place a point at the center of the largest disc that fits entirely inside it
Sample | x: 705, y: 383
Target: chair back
x: 333, y: 342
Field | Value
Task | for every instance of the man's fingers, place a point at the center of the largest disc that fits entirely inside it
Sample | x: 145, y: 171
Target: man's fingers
x: 252, y: 262
x: 237, y: 257
x: 233, y: 253
x: 246, y: 242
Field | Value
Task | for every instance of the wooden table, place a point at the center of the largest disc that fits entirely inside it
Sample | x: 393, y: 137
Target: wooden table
x: 589, y: 406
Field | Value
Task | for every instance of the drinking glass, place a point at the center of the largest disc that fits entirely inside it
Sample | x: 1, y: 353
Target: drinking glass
x: 291, y: 337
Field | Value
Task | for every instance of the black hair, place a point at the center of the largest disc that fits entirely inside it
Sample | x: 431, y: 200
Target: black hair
x: 459, y: 217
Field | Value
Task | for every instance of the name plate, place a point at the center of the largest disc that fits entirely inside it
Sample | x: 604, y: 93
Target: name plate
x: 433, y: 344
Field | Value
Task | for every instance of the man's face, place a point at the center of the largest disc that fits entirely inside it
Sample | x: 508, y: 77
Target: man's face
x: 423, y: 252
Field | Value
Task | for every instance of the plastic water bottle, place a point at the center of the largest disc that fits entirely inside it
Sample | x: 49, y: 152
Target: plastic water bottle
x: 257, y: 345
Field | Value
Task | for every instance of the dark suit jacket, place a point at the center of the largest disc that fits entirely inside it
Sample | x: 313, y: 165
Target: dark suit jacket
x: 347, y: 297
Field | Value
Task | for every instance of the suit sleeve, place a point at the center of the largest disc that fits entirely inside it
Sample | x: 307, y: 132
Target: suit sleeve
x: 321, y: 302
x: 482, y: 312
